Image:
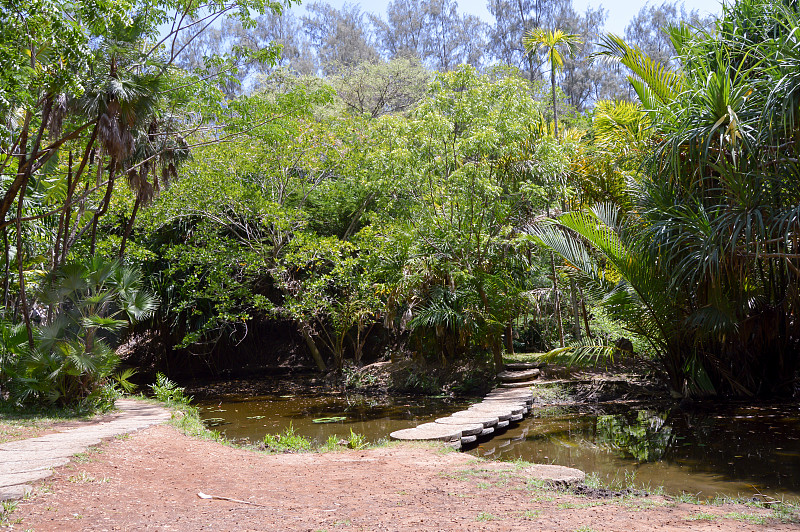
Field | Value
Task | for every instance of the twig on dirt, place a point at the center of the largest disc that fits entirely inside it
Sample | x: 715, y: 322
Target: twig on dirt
x: 206, y: 496
x: 767, y: 498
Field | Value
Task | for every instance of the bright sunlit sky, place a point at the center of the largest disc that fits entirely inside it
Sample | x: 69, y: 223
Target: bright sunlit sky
x: 619, y: 11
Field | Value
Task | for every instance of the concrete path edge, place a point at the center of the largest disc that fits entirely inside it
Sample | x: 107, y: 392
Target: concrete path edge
x: 26, y: 461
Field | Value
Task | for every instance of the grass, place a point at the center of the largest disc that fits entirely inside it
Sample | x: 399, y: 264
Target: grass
x: 6, y: 509
x: 29, y: 421
x: 738, y: 516
x: 486, y: 516
x: 288, y: 441
x: 531, y: 514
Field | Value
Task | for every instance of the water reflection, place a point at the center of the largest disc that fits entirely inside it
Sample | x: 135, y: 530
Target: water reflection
x: 731, y: 450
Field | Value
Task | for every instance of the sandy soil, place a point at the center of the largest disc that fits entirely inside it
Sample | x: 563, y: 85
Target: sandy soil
x: 150, y: 481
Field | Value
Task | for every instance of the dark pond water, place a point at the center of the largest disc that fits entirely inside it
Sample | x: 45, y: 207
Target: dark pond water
x: 250, y: 418
x: 724, y: 450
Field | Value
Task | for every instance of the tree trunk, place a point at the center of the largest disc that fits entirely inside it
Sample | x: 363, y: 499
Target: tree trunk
x: 129, y: 226
x: 313, y: 348
x: 22, y: 296
x: 510, y: 337
x: 555, y: 108
x: 103, y: 207
x: 585, y: 316
x: 576, y: 325
x: 557, y: 300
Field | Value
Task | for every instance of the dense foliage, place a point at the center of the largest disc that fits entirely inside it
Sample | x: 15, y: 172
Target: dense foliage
x: 368, y: 206
x: 704, y: 263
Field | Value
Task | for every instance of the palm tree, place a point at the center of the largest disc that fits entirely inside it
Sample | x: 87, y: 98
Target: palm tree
x: 552, y: 40
x: 92, y: 302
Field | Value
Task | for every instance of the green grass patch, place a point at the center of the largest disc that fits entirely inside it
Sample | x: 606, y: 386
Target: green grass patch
x: 486, y: 516
x: 288, y: 441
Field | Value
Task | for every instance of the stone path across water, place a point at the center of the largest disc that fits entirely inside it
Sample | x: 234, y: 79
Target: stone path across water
x: 25, y: 461
x: 508, y: 403
x: 501, y: 406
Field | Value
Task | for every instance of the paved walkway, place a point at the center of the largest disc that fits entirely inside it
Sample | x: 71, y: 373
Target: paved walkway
x: 25, y: 461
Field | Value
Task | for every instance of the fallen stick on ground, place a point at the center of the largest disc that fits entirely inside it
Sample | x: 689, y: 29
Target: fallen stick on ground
x: 207, y: 496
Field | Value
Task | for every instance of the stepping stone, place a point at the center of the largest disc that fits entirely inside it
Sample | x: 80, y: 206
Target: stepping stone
x: 516, y: 417
x: 517, y: 376
x: 523, y: 384
x: 468, y: 439
x: 487, y: 420
x: 513, y: 404
x: 467, y: 429
x: 519, y: 366
x: 555, y: 474
x: 510, y: 392
x: 514, y: 395
x: 500, y: 414
x: 486, y: 432
x: 428, y: 432
x: 501, y: 424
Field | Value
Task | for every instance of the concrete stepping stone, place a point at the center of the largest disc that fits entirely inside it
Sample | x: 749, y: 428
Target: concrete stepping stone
x: 515, y: 409
x: 487, y: 420
x: 511, y: 392
x: 465, y: 440
x: 555, y: 474
x: 520, y: 366
x: 504, y: 401
x: 428, y: 432
x: 467, y: 429
x: 502, y: 415
x: 517, y: 376
x: 523, y: 384
x: 521, y: 399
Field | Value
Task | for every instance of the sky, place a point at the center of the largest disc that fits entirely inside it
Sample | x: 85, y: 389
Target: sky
x: 619, y: 11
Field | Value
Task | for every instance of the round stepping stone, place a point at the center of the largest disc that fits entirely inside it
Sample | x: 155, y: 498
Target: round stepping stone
x: 487, y: 420
x: 513, y: 404
x: 517, y: 376
x: 519, y: 366
x: 501, y: 415
x: 506, y: 400
x: 501, y: 424
x: 428, y: 431
x: 523, y: 384
x: 511, y: 392
x: 510, y: 398
x: 516, y: 417
x: 467, y: 429
x: 486, y: 432
x: 515, y: 409
x: 468, y: 439
x: 555, y: 474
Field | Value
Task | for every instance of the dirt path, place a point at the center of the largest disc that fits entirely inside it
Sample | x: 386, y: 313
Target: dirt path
x: 151, y: 480
x: 25, y: 461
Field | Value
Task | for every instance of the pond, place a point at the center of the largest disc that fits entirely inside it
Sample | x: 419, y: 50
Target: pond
x: 248, y: 419
x: 729, y: 450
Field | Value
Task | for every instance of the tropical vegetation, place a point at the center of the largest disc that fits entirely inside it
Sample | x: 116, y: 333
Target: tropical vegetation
x: 192, y: 184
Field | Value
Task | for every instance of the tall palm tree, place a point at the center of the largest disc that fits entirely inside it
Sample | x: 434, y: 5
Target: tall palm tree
x: 552, y: 41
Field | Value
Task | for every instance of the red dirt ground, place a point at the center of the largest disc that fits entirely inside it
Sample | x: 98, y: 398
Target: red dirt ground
x: 150, y: 481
